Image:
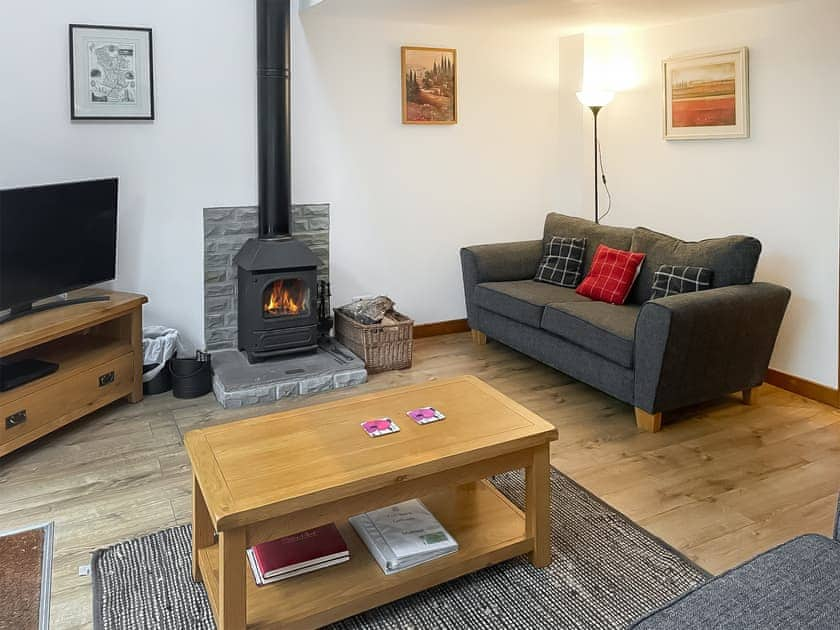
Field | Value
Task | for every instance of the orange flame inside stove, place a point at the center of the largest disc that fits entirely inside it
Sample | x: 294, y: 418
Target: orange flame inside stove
x: 285, y: 298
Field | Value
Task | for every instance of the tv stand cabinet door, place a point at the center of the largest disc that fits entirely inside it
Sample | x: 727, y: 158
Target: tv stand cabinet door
x: 29, y: 417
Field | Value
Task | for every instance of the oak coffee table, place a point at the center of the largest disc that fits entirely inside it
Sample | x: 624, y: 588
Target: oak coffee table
x: 262, y: 478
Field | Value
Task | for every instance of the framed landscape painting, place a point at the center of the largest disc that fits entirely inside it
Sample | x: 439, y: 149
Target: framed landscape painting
x: 707, y: 96
x: 111, y: 74
x: 429, y: 86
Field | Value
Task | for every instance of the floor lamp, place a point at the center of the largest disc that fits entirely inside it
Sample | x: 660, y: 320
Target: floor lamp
x: 595, y: 101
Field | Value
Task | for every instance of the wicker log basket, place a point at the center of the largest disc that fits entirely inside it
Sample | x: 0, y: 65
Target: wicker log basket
x: 385, y: 346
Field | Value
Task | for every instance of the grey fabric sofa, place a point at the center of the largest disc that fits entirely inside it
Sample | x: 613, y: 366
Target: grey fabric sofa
x: 795, y: 585
x: 657, y: 355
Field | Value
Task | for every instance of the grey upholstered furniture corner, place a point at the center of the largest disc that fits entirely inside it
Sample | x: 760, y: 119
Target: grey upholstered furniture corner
x: 657, y: 355
x: 795, y: 585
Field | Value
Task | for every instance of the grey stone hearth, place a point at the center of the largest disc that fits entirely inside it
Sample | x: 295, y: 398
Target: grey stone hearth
x: 236, y: 383
x: 225, y: 232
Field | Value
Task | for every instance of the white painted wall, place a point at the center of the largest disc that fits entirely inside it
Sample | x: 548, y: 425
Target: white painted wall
x: 404, y: 198
x: 780, y: 185
x: 199, y: 152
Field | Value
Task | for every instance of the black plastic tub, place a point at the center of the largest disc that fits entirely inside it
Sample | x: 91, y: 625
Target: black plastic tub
x: 191, y: 378
x: 160, y: 384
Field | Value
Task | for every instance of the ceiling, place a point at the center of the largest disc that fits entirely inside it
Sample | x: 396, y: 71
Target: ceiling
x: 562, y: 16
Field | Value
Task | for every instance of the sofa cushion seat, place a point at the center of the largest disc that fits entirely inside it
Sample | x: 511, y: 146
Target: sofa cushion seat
x: 607, y: 330
x: 522, y: 300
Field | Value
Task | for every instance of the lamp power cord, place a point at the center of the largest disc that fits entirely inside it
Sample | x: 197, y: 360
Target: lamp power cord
x: 606, y: 187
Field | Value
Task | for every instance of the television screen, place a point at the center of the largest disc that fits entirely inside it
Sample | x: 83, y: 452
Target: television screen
x: 55, y: 239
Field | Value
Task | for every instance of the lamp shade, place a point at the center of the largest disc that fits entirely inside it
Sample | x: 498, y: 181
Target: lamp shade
x: 592, y: 98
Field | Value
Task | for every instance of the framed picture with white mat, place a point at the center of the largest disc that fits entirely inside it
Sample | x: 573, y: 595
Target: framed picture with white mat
x: 111, y: 73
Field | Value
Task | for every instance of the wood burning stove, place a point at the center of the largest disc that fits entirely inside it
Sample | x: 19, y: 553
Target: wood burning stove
x: 278, y: 310
x: 278, y: 301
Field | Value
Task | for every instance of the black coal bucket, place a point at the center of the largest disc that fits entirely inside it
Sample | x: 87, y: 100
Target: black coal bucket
x: 162, y: 382
x: 191, y: 378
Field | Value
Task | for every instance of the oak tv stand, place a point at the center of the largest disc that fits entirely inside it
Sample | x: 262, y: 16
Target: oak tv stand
x: 98, y: 347
x: 23, y: 310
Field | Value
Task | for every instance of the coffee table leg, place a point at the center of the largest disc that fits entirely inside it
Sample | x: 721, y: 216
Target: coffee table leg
x: 538, y: 506
x: 202, y: 528
x: 232, y: 607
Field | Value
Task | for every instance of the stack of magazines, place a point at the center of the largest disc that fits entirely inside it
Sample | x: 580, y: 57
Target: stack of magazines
x: 404, y: 535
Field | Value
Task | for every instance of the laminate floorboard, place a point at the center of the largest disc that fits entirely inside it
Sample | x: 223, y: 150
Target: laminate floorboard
x: 722, y: 481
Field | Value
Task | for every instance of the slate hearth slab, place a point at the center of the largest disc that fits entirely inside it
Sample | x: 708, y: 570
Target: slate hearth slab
x: 237, y: 383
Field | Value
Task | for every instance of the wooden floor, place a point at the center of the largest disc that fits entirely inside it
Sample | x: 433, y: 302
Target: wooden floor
x: 721, y: 482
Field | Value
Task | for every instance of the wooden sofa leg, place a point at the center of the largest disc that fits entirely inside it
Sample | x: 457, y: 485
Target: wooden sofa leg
x: 479, y: 338
x: 651, y: 422
x: 748, y: 396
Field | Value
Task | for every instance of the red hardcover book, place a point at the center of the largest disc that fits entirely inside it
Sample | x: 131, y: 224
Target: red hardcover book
x: 300, y: 550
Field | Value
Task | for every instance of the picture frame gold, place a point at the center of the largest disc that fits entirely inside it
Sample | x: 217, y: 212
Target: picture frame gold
x: 429, y: 85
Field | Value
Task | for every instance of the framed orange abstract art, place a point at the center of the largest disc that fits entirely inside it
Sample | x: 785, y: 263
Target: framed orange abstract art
x: 707, y: 96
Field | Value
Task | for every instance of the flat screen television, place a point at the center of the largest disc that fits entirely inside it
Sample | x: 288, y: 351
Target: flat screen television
x: 54, y: 239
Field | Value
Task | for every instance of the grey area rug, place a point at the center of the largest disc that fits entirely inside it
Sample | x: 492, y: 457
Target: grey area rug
x: 606, y: 572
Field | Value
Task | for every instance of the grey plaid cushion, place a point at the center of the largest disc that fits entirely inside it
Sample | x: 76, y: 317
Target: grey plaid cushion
x: 562, y: 262
x: 673, y: 279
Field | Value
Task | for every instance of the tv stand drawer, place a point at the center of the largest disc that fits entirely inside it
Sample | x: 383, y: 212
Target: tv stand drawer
x: 59, y: 403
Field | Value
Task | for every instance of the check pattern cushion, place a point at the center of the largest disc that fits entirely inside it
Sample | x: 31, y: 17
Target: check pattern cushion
x: 562, y: 262
x: 612, y: 275
x: 674, y: 279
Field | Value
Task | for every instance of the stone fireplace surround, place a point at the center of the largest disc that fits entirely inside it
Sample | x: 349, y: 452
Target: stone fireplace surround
x: 237, y: 383
x: 225, y: 232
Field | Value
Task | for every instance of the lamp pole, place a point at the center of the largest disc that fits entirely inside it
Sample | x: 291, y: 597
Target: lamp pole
x: 595, y: 109
x: 595, y: 101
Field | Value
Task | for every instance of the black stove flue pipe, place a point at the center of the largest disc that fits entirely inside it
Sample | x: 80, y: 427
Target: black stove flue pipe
x: 274, y: 117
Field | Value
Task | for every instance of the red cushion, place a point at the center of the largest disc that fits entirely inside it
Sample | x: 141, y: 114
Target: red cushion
x: 612, y: 275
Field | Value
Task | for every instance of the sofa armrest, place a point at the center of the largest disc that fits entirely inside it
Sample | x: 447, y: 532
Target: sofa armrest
x: 496, y: 263
x: 697, y: 346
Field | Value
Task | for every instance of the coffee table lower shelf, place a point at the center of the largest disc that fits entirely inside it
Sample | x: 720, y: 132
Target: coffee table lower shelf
x: 488, y: 527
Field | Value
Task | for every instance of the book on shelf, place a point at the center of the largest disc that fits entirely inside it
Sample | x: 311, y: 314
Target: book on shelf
x: 299, y: 553
x: 404, y: 535
x: 260, y: 579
